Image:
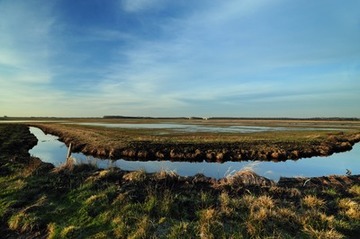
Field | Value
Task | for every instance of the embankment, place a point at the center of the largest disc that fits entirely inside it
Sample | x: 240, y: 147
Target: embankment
x: 265, y: 150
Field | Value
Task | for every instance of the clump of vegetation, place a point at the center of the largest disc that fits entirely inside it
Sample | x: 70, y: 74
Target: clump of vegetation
x: 85, y: 202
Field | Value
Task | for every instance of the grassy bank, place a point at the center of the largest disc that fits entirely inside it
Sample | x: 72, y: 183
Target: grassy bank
x: 305, y: 139
x: 39, y: 201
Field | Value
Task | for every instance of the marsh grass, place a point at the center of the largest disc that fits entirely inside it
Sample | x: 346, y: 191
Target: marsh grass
x: 136, y: 176
x: 103, y: 138
x: 322, y: 234
x: 313, y: 202
x: 355, y: 190
x: 210, y: 224
x: 73, y: 201
x: 350, y: 208
x: 182, y: 229
x: 114, y: 204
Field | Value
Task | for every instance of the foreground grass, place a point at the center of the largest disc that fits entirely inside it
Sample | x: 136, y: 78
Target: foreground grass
x: 82, y: 202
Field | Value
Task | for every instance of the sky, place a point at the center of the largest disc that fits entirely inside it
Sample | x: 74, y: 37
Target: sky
x: 164, y: 58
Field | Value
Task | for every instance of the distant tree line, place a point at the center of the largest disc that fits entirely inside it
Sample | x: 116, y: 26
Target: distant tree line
x: 289, y: 118
x: 139, y: 117
x: 235, y: 118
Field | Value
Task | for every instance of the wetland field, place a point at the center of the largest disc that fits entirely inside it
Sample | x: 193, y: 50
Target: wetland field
x: 211, y: 140
x: 79, y: 200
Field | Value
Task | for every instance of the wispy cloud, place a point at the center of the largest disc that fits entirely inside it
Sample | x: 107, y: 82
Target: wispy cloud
x: 25, y: 33
x: 25, y: 56
x: 141, y: 5
x: 258, y: 58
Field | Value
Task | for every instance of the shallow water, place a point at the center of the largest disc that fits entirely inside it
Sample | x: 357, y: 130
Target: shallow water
x: 199, y: 128
x: 51, y: 150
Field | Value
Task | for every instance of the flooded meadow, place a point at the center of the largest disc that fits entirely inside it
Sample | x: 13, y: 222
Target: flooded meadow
x: 51, y: 150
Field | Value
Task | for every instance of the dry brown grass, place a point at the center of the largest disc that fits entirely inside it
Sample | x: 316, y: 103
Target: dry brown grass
x: 121, y: 137
x: 311, y: 201
x: 323, y: 234
x: 137, y: 176
x: 350, y: 208
x: 355, y: 189
x: 210, y: 225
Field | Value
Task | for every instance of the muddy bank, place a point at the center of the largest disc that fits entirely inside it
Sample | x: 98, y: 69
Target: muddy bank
x: 212, y: 152
x: 15, y: 143
x: 16, y: 139
x: 332, y: 180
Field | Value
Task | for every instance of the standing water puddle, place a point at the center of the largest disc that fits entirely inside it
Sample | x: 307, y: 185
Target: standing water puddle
x: 50, y: 149
x: 200, y: 128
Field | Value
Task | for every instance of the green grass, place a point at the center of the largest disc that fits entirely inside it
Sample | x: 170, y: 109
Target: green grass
x: 115, y: 204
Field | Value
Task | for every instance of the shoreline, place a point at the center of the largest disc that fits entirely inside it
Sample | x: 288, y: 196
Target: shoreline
x: 244, y: 178
x: 263, y: 150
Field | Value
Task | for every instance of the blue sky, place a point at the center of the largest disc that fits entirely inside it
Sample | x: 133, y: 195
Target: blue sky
x: 246, y: 58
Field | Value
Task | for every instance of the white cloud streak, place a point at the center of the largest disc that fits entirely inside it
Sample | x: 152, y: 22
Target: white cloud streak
x: 25, y: 34
x: 25, y: 52
x: 141, y: 5
x: 225, y: 54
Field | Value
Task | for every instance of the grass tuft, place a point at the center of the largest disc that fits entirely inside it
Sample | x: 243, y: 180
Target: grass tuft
x: 210, y: 225
x: 355, y: 189
x: 68, y: 232
x: 322, y: 234
x: 166, y: 174
x: 310, y: 201
x: 136, y: 176
x: 51, y: 230
x: 350, y: 208
x: 225, y: 204
x: 143, y: 228
x: 182, y: 229
x: 24, y: 222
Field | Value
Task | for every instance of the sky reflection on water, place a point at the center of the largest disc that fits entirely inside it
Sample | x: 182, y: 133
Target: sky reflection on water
x: 51, y: 150
x: 199, y: 128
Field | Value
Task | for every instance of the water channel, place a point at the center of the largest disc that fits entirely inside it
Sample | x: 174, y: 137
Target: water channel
x: 51, y: 150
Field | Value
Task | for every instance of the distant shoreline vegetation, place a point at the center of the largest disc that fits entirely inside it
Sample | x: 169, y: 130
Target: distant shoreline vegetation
x: 235, y: 118
x: 10, y: 118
